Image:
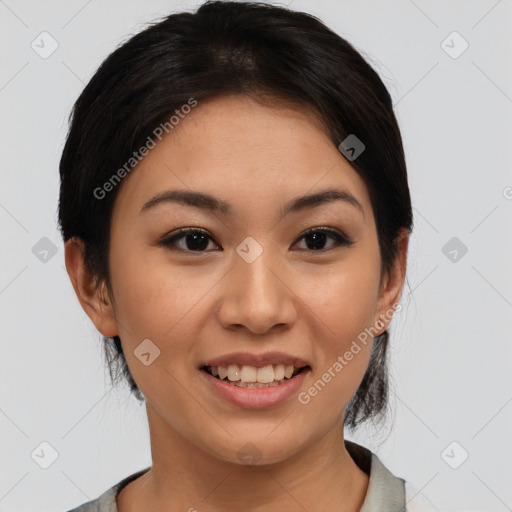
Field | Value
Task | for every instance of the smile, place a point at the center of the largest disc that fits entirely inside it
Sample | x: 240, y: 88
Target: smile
x: 255, y: 395
x: 252, y: 377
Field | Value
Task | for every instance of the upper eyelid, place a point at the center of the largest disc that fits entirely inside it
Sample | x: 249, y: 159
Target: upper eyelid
x: 331, y: 232
x: 186, y: 231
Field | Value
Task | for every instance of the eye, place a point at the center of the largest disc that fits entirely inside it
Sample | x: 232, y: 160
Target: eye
x: 197, y: 240
x: 318, y: 236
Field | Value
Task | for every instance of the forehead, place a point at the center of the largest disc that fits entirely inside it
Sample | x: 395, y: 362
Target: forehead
x: 236, y: 148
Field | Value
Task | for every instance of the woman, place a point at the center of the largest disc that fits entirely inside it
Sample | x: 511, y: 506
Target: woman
x: 236, y: 214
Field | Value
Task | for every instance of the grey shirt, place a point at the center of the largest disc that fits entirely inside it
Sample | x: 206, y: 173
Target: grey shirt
x: 386, y: 492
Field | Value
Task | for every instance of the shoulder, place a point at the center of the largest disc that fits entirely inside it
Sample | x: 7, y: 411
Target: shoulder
x: 393, y: 487
x: 386, y: 492
x: 416, y: 501
x: 107, y: 501
x: 104, y: 503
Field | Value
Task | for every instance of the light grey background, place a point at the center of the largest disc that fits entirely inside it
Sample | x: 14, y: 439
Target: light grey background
x: 451, y: 346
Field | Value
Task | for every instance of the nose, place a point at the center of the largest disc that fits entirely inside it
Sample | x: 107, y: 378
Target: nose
x: 257, y: 296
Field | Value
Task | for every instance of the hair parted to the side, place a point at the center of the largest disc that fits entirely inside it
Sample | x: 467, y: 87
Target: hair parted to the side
x: 275, y: 56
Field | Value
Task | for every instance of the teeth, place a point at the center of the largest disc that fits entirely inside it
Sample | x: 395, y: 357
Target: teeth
x: 233, y: 372
x: 248, y: 374
x: 266, y: 375
x: 280, y: 371
x: 256, y: 384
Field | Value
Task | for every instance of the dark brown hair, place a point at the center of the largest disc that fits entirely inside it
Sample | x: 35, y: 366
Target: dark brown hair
x: 270, y: 53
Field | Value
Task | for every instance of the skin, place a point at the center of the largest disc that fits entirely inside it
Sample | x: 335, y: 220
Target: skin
x: 196, y: 306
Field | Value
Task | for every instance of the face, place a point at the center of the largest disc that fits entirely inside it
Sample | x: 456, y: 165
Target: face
x: 261, y: 274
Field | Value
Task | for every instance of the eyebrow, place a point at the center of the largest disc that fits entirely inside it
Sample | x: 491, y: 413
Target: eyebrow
x: 210, y: 203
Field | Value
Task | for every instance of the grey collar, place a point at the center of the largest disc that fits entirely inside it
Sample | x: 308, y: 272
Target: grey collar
x: 386, y: 492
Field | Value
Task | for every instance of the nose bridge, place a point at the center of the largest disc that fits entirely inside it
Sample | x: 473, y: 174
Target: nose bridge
x: 256, y: 295
x: 254, y: 275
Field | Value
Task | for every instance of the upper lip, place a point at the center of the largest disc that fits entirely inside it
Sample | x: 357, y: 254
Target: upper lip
x: 257, y: 360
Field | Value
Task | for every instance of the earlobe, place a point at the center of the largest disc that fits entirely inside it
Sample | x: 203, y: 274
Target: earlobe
x: 392, y: 286
x: 93, y: 298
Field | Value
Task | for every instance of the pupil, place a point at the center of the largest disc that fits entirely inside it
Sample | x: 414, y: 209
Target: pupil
x: 200, y: 241
x: 316, y: 237
x: 197, y: 237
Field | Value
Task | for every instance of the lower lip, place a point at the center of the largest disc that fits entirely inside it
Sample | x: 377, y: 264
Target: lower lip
x: 256, y: 398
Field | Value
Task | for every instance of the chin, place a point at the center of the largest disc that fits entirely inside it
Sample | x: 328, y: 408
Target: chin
x: 256, y: 451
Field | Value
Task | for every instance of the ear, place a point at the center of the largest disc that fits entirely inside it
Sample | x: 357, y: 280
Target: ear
x: 94, y: 299
x: 392, y: 285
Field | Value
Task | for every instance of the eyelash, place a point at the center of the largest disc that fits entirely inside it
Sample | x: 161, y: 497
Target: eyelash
x: 341, y: 241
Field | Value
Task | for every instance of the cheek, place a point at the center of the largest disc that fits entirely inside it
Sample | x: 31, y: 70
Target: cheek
x: 167, y: 306
x: 156, y: 303
x: 344, y: 298
x: 152, y: 298
x: 342, y: 309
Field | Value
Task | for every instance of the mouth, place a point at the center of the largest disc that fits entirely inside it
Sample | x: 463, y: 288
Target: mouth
x: 247, y: 376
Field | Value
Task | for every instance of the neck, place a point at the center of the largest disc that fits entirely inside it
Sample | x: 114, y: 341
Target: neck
x: 321, y: 476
